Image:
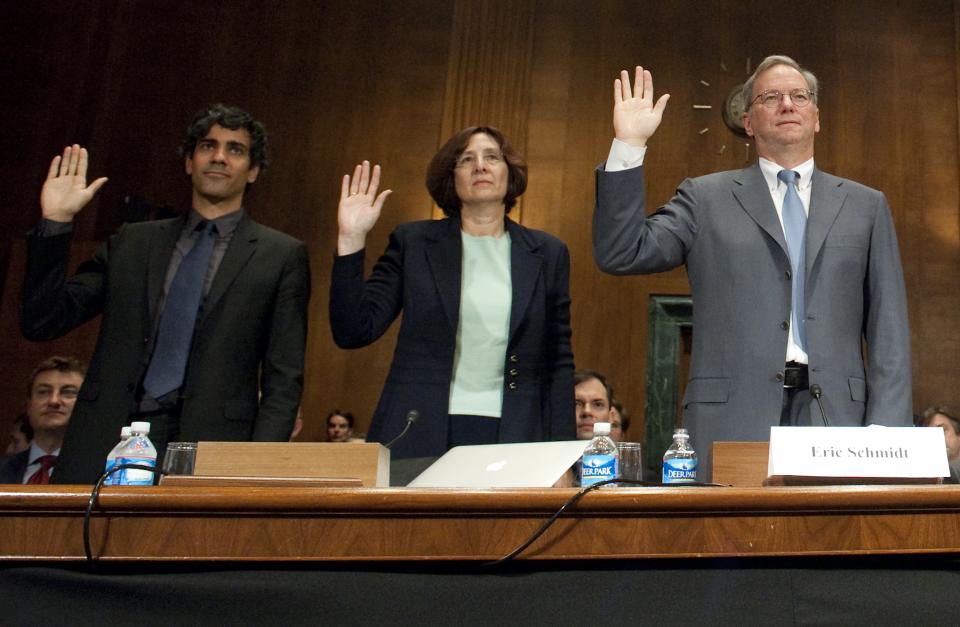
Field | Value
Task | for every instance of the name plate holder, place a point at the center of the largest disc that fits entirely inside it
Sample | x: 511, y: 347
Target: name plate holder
x: 856, y: 455
x: 307, y: 464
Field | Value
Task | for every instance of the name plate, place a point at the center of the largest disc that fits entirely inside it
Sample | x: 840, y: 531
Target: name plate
x: 883, y: 452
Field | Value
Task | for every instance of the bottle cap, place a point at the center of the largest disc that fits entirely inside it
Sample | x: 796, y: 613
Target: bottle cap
x: 126, y: 432
x: 601, y: 428
x: 140, y: 427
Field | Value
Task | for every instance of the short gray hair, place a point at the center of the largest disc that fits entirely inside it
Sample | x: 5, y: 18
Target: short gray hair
x: 746, y: 94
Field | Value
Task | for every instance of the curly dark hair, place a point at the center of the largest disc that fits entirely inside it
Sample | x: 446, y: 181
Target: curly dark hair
x: 440, y: 175
x: 232, y: 118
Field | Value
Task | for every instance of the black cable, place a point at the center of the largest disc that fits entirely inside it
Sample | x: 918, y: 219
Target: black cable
x: 94, y: 497
x: 579, y: 495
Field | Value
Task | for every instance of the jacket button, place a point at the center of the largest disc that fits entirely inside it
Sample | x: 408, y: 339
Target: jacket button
x: 514, y: 358
x: 784, y: 325
x: 779, y: 377
x: 514, y: 372
x: 512, y: 385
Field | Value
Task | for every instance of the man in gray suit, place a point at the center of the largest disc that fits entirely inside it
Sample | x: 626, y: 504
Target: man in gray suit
x: 791, y: 269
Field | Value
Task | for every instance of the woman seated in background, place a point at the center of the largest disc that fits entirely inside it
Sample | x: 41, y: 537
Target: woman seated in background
x: 339, y: 426
x: 483, y: 352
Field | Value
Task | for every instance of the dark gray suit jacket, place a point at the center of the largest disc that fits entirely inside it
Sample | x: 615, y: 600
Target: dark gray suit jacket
x: 245, y: 370
x: 724, y: 228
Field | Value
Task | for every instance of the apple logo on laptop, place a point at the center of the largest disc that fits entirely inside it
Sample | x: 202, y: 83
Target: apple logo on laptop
x: 495, y: 466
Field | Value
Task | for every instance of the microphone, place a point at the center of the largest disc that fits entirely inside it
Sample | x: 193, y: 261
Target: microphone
x: 816, y: 392
x: 412, y: 416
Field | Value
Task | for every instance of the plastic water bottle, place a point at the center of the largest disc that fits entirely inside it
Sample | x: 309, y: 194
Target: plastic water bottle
x: 137, y: 450
x: 680, y: 460
x: 112, y: 457
x: 600, y: 460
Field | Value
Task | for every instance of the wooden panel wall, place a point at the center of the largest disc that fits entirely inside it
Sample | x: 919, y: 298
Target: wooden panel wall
x: 340, y: 81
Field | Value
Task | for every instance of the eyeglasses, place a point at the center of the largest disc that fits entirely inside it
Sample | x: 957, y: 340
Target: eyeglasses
x: 468, y: 159
x: 772, y: 98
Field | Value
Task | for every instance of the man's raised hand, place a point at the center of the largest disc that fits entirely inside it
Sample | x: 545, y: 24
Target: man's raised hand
x: 635, y: 116
x: 65, y: 192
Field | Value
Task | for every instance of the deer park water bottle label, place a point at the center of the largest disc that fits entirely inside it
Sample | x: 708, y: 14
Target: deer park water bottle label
x: 679, y: 470
x: 597, y: 468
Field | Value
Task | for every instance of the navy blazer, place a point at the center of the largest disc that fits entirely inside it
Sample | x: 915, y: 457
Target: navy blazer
x: 13, y: 467
x: 420, y: 274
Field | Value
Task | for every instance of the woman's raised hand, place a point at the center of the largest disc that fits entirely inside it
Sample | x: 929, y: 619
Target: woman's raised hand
x: 359, y: 207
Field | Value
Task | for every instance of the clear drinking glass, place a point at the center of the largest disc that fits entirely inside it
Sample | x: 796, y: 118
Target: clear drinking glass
x: 631, y: 462
x: 180, y: 458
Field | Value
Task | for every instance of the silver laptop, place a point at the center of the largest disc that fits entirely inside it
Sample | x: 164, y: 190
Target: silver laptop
x: 521, y: 465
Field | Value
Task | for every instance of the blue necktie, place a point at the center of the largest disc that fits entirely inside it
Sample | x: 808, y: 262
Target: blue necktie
x: 179, y: 318
x: 795, y: 230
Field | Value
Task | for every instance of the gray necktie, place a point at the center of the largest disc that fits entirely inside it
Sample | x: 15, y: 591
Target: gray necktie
x: 795, y: 230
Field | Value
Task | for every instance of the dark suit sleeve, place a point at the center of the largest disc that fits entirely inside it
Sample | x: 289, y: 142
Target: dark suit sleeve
x: 561, y: 412
x: 886, y: 328
x: 361, y: 311
x: 625, y: 239
x: 13, y: 467
x: 53, y: 305
x: 281, y: 371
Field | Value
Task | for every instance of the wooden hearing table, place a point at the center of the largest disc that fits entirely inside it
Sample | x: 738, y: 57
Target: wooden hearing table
x: 368, y: 524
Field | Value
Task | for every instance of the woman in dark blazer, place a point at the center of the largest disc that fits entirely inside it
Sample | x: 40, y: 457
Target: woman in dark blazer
x: 484, y: 351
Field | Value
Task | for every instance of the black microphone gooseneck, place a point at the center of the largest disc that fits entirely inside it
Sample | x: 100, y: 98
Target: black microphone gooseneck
x: 816, y: 392
x: 412, y: 416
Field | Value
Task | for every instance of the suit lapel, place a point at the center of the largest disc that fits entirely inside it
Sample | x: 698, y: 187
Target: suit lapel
x: 161, y: 250
x: 241, y: 248
x: 753, y: 195
x: 525, y: 264
x: 826, y: 199
x: 445, y: 257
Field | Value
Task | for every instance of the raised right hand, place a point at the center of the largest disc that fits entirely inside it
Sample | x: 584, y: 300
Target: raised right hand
x: 359, y: 207
x: 635, y: 117
x: 65, y: 192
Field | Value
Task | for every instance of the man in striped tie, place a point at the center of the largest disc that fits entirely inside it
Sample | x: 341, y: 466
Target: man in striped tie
x: 51, y: 394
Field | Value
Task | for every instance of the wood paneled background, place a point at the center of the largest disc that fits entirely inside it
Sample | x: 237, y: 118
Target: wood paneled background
x: 343, y: 80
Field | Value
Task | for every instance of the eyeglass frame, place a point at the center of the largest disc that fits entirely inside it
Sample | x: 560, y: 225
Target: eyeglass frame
x: 468, y: 159
x: 798, y: 91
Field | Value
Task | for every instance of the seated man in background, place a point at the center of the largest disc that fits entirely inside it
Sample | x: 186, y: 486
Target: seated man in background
x: 21, y: 435
x: 619, y: 421
x: 592, y: 394
x: 51, y: 394
x: 941, y: 416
